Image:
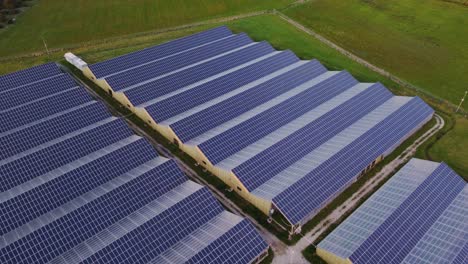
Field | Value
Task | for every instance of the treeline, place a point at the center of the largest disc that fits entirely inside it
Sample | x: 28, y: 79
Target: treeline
x: 9, y: 9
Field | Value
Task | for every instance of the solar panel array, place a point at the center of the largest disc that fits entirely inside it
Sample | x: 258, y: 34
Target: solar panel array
x: 285, y: 127
x: 135, y: 75
x: 77, y: 185
x: 124, y: 62
x: 418, y: 216
x: 191, y: 75
x: 28, y: 76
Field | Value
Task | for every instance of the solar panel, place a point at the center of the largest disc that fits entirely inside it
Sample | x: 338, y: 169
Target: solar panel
x: 171, y: 83
x: 184, y: 101
x: 445, y: 240
x: 31, y: 75
x: 462, y: 256
x: 162, y: 231
x: 211, y: 117
x: 240, y: 245
x: 51, y: 105
x: 418, y: 216
x: 69, y: 230
x: 70, y: 185
x: 336, y: 173
x: 278, y: 157
x: 35, y: 91
x: 41, y: 133
x: 134, y: 76
x: 117, y: 64
x: 395, y: 238
x: 17, y: 170
x: 233, y: 140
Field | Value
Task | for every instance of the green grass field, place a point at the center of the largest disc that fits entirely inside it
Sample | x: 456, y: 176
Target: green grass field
x: 62, y: 22
x: 423, y: 43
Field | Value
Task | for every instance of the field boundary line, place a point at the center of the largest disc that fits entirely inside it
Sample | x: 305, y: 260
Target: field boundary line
x: 365, y: 63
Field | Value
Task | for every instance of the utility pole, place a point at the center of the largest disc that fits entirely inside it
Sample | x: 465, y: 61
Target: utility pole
x: 461, y: 102
x: 45, y: 45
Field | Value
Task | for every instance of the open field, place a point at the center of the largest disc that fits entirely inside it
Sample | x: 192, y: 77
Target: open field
x: 66, y: 22
x: 423, y: 43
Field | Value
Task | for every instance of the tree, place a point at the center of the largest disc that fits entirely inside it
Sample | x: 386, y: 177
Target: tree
x: 10, y: 4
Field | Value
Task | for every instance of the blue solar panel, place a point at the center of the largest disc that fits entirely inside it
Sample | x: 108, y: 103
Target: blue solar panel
x: 52, y: 157
x: 34, y: 91
x: 137, y: 75
x: 54, y: 128
x: 300, y: 199
x: 462, y: 257
x: 241, y: 244
x: 84, y: 222
x: 284, y: 153
x: 32, y: 112
x: 34, y: 74
x: 157, y: 52
x: 233, y: 140
x: 400, y: 232
x: 192, y: 75
x: 213, y: 116
x: 65, y: 188
x: 184, y: 101
x: 155, y: 236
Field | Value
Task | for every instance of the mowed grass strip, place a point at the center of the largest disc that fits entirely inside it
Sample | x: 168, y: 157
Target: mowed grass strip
x: 423, y: 42
x: 61, y: 22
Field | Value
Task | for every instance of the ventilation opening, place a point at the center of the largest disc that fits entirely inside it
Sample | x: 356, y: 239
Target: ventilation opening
x: 239, y: 189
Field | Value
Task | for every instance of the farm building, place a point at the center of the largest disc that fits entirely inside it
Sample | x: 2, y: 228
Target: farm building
x: 77, y: 185
x: 419, y: 216
x: 285, y: 133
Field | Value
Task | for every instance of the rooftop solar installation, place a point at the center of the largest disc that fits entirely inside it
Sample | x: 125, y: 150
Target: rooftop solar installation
x: 120, y: 196
x: 173, y: 82
x: 58, y: 104
x: 32, y: 75
x: 202, y: 121
x: 136, y: 75
x: 284, y: 127
x: 419, y: 216
x: 226, y: 144
x: 105, y: 68
x: 198, y: 94
x: 19, y: 140
x: 77, y: 185
x: 36, y: 91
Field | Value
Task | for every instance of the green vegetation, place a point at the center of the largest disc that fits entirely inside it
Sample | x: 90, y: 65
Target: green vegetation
x: 10, y: 9
x: 452, y: 147
x: 269, y: 258
x: 62, y: 23
x: 310, y: 254
x: 425, y: 44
